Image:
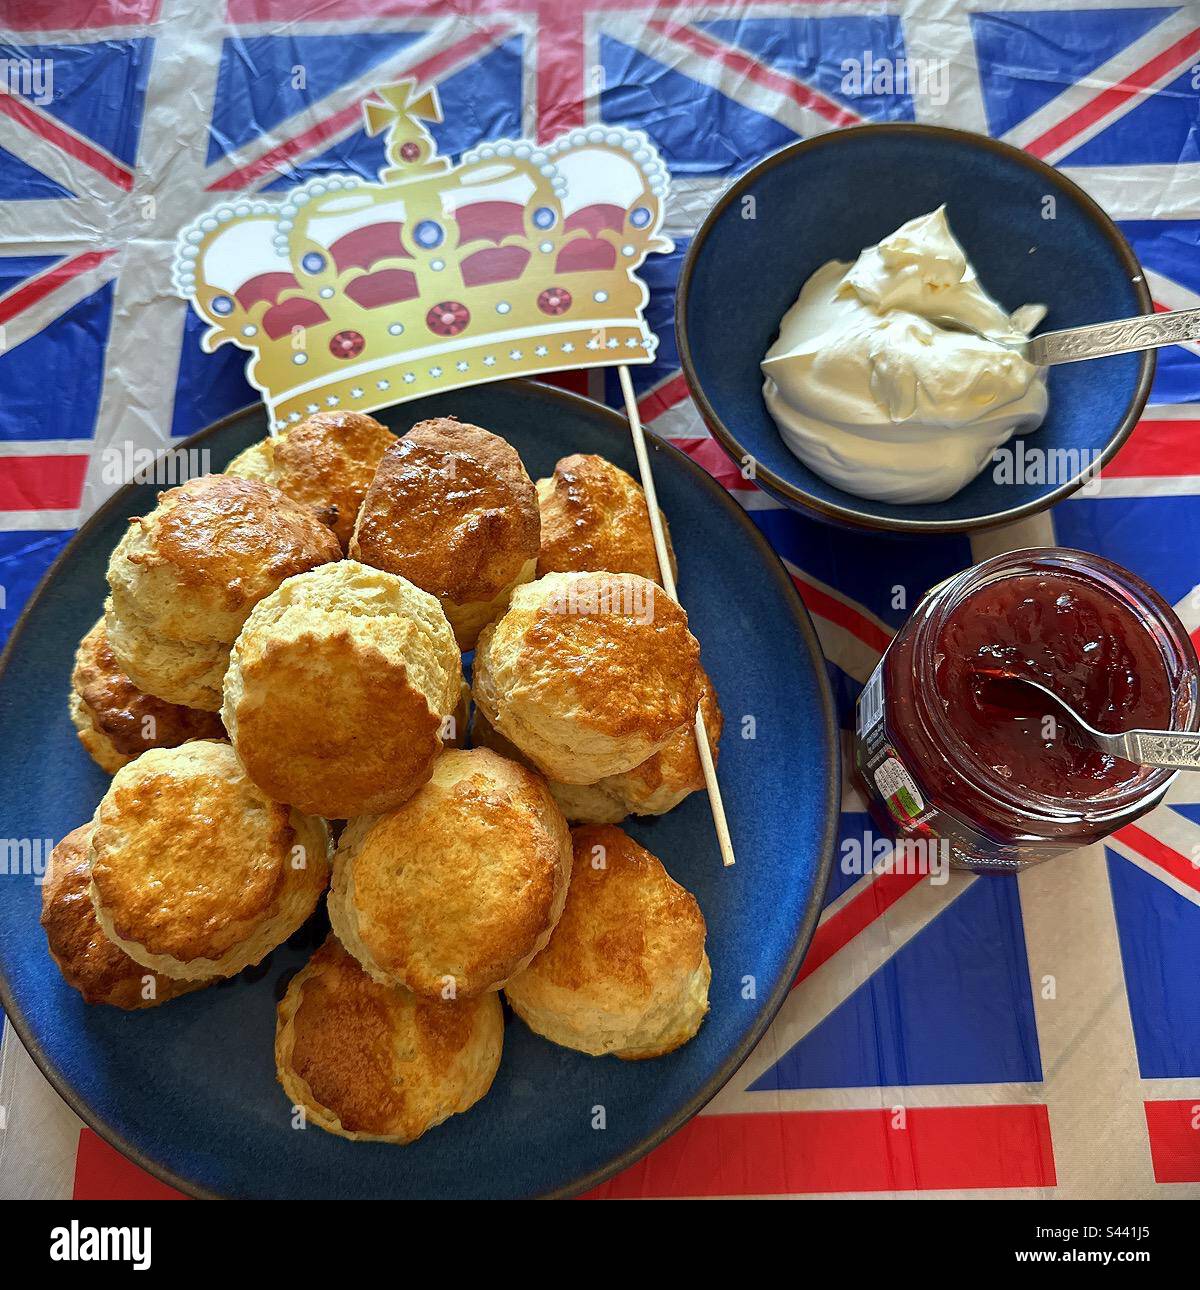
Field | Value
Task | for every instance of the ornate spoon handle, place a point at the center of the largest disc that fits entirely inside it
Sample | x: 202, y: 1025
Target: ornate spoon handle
x: 1148, y: 331
x: 1157, y: 748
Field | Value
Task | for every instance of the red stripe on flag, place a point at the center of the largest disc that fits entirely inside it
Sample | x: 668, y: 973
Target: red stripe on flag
x: 839, y: 929
x: 76, y: 15
x: 42, y: 483
x: 1167, y: 858
x: 752, y: 70
x: 1112, y: 98
x: 1174, y: 1129
x: 48, y: 129
x: 29, y: 293
x: 102, y: 1173
x: 1158, y: 447
x: 278, y: 157
x: 712, y: 457
x: 668, y: 395
x: 836, y: 611
x: 774, y: 1153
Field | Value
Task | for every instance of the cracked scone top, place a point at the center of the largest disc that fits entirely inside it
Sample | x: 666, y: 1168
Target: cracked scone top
x: 375, y: 1063
x: 90, y: 963
x: 184, y: 578
x: 115, y: 720
x: 195, y: 872
x: 625, y: 971
x: 588, y: 674
x: 325, y: 462
x: 339, y: 689
x: 460, y: 886
x: 452, y: 510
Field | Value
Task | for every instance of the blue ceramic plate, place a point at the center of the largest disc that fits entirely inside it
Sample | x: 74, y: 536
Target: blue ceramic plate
x: 1033, y: 236
x: 188, y: 1090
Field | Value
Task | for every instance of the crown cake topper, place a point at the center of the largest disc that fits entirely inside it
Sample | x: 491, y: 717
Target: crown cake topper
x: 518, y: 261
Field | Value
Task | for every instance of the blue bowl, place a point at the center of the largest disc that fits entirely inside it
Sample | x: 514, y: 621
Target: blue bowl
x: 829, y: 197
x: 189, y: 1091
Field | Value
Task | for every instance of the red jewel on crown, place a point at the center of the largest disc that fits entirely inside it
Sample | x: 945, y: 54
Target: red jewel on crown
x: 346, y: 344
x: 409, y: 151
x: 554, y: 300
x: 448, y: 318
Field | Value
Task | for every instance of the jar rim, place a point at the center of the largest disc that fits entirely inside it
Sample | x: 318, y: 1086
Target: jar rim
x: 1180, y: 664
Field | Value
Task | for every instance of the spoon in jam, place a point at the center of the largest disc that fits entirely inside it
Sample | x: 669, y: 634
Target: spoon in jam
x: 1172, y: 748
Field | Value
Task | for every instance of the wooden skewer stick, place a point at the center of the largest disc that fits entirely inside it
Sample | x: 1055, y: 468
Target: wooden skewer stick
x: 703, y: 745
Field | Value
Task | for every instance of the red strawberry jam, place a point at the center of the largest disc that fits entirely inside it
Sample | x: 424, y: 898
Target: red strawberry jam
x: 988, y: 768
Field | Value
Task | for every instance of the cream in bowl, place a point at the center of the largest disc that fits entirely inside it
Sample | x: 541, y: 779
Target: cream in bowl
x: 879, y: 380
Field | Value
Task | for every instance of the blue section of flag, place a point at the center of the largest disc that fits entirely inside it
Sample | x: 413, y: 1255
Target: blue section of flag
x: 1142, y: 533
x: 52, y: 381
x: 264, y: 80
x: 20, y: 182
x: 1027, y: 58
x: 1159, y: 933
x: 482, y: 101
x: 99, y: 89
x: 855, y: 830
x: 824, y: 54
x: 1164, y: 129
x: 209, y: 386
x: 1189, y: 811
x: 24, y: 557
x: 697, y: 129
x: 952, y: 1006
x: 886, y: 575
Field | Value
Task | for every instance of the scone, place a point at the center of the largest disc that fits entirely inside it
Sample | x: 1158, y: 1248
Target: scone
x: 195, y: 873
x: 655, y: 787
x: 374, y: 1063
x: 456, y: 890
x: 588, y: 674
x: 452, y: 510
x: 88, y: 960
x: 325, y: 462
x: 339, y: 690
x: 625, y: 971
x: 115, y: 720
x: 595, y: 517
x: 184, y: 577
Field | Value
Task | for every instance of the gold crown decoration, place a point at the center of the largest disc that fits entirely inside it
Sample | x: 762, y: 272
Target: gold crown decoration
x: 518, y: 261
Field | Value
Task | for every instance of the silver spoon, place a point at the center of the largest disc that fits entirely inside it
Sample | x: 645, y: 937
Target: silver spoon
x: 1098, y: 340
x: 1172, y: 748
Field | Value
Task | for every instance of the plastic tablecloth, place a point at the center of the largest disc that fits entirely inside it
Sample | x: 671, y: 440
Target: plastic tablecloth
x: 1029, y: 1036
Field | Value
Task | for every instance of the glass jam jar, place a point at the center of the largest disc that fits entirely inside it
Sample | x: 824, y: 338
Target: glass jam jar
x: 1000, y: 787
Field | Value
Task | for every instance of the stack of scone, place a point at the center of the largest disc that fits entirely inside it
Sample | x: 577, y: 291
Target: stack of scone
x: 281, y: 648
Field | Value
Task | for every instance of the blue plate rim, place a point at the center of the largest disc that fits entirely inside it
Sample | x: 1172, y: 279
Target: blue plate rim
x: 722, y: 1075
x: 797, y: 499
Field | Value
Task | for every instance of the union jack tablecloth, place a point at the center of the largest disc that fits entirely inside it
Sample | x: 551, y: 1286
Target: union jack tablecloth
x: 1029, y: 1037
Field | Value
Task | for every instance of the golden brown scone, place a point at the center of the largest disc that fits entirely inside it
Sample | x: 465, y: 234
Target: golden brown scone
x: 88, y: 960
x: 325, y: 462
x: 184, y: 577
x: 452, y: 510
x: 588, y: 674
x: 195, y: 873
x: 115, y: 720
x: 595, y: 517
x: 459, y: 888
x: 339, y: 689
x: 625, y: 971
x: 375, y: 1063
x: 655, y: 787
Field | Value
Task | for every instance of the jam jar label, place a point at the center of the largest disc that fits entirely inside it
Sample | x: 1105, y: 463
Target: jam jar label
x: 895, y: 795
